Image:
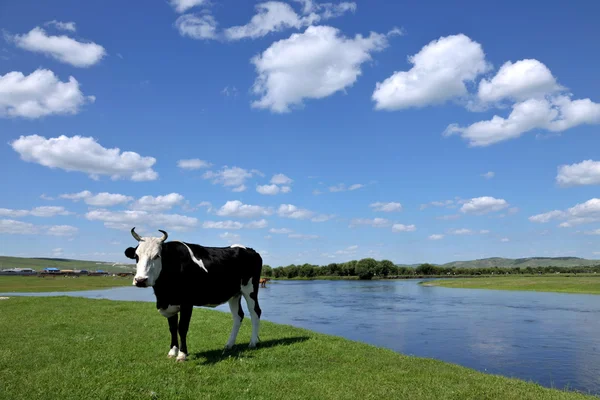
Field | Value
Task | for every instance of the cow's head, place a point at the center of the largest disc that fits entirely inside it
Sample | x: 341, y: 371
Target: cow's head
x: 147, y: 256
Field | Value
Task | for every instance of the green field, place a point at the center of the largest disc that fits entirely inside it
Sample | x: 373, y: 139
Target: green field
x: 59, y: 283
x: 73, y: 348
x: 589, y: 284
x: 62, y: 263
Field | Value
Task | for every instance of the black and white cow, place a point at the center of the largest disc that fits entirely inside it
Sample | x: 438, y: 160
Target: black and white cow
x: 184, y: 275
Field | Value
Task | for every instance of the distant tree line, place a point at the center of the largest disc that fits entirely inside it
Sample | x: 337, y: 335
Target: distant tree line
x: 369, y: 268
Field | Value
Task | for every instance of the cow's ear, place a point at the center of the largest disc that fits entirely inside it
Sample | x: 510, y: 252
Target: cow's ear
x: 130, y: 253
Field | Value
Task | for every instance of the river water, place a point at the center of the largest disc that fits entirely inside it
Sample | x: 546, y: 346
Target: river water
x: 549, y: 338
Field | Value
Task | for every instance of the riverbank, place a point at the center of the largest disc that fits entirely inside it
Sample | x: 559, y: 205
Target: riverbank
x: 87, y: 348
x: 10, y: 284
x: 588, y: 284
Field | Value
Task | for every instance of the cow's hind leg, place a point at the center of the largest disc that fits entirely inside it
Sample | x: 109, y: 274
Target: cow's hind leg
x: 250, y: 292
x: 174, y: 343
x: 235, y: 305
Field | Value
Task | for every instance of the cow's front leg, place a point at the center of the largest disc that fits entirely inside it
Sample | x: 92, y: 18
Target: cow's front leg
x: 184, y: 324
x: 174, y: 350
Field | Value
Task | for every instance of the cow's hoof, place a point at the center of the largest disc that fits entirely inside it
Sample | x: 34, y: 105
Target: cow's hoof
x: 252, y: 345
x: 173, y: 352
x: 181, y: 356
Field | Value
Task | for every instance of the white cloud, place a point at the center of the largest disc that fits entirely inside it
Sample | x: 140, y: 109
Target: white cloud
x: 281, y: 179
x: 39, y: 94
x: 483, y: 205
x: 439, y: 73
x: 222, y: 225
x: 268, y: 189
x: 231, y: 177
x: 84, y: 154
x: 584, y: 173
x: 386, y: 207
x: 555, y: 114
x: 436, y: 237
x: 375, y: 222
x: 197, y: 26
x: 488, y: 175
x: 183, y: 5
x: 342, y: 187
x: 594, y: 232
x: 462, y: 231
x: 103, y: 199
x: 519, y: 81
x: 230, y: 237
x: 127, y: 219
x: 582, y: 213
x: 302, y: 236
x: 293, y: 212
x: 235, y: 208
x: 44, y: 211
x: 12, y: 227
x: 63, y: 26
x: 484, y: 232
x: 403, y: 228
x: 259, y: 224
x: 322, y: 217
x: 310, y: 65
x: 276, y: 16
x: 61, y: 48
x: 504, y: 240
x: 280, y: 231
x: 193, y: 163
x: 57, y: 252
x: 158, y: 203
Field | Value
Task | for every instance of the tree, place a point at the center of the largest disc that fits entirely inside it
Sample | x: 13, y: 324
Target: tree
x: 267, y: 271
x: 386, y: 267
x: 365, y: 268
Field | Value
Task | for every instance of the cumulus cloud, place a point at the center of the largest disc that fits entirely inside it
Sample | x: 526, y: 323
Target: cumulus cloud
x: 232, y: 177
x: 311, y: 65
x: 322, y: 217
x: 462, y: 231
x: 281, y: 179
x: 555, y: 114
x: 39, y: 94
x: 158, y: 203
x: 488, y: 175
x: 276, y: 16
x: 386, y: 207
x: 193, y: 163
x: 62, y: 48
x: 293, y: 212
x: 584, y: 173
x: 280, y: 231
x: 343, y: 188
x: 436, y: 237
x: 302, y: 236
x: 403, y: 228
x: 440, y: 72
x: 84, y: 154
x: 375, y: 222
x: 12, y: 227
x: 519, y: 81
x: 183, y: 5
x: 44, y: 212
x: 197, y: 26
x: 582, y: 213
x: 483, y: 205
x: 235, y: 208
x: 103, y: 199
x: 63, y: 26
x: 268, y: 189
x: 230, y: 237
x: 125, y: 220
x: 235, y: 225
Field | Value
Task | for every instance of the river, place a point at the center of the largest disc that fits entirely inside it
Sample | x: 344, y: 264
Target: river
x: 549, y: 338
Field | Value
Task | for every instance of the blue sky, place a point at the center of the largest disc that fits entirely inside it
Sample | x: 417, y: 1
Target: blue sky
x: 312, y: 132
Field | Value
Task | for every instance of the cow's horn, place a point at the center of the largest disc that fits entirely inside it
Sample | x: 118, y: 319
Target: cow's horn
x: 165, y: 236
x: 135, y: 235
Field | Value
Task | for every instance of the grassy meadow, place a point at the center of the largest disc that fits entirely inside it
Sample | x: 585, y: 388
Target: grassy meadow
x: 75, y: 348
x: 588, y: 284
x: 9, y: 284
x: 62, y: 263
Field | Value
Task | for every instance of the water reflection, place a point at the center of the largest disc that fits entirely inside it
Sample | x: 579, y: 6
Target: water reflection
x: 549, y: 338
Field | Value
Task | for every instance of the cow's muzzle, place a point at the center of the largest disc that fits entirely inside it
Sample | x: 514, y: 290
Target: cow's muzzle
x: 141, y: 282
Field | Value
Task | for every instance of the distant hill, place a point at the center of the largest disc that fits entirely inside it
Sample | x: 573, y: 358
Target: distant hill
x: 62, y: 263
x: 523, y: 262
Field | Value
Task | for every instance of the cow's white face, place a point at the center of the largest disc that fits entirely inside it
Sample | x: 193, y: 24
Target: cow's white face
x: 148, y: 260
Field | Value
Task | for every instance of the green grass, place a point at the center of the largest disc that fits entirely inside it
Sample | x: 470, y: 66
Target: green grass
x: 59, y: 283
x: 589, y: 284
x: 70, y: 348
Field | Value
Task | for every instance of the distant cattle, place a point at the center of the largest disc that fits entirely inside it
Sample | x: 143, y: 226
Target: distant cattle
x: 184, y: 275
x: 263, y: 282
